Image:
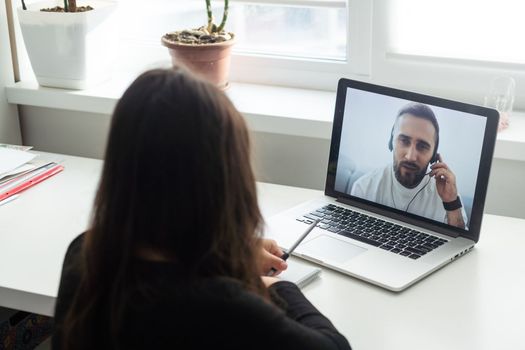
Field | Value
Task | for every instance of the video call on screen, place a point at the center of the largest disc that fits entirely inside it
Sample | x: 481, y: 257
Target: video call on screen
x: 384, y: 158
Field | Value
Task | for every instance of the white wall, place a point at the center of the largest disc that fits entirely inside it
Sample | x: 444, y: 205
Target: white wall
x: 9, y: 127
x: 63, y: 131
x: 282, y: 159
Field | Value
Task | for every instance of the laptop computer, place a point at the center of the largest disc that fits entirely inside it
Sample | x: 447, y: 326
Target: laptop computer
x: 405, y: 186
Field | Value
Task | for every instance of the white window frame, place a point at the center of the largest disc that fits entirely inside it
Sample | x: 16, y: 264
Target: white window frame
x: 268, y: 69
x: 369, y: 58
x: 457, y: 79
x: 313, y: 73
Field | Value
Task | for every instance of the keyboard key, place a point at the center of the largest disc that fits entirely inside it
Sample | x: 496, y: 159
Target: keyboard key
x: 414, y: 256
x: 423, y: 248
x: 359, y: 238
x: 405, y: 253
x: 415, y: 251
x: 386, y: 247
x: 395, y: 250
x: 428, y: 246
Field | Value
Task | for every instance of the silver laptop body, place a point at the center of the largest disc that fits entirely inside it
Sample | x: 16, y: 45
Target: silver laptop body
x: 372, y: 233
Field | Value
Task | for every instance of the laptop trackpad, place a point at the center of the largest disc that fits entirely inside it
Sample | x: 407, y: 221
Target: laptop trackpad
x: 327, y: 248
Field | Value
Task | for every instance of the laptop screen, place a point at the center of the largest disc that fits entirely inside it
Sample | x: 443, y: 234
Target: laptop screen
x: 416, y: 158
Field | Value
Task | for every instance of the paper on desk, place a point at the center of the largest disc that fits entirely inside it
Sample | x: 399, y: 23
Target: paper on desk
x: 18, y: 147
x: 15, y: 172
x: 299, y: 273
x: 11, y: 159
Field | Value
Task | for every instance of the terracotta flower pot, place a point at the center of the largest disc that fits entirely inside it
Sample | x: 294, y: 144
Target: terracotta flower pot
x: 210, y: 61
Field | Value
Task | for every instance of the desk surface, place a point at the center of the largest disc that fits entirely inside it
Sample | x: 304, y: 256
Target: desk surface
x: 474, y: 303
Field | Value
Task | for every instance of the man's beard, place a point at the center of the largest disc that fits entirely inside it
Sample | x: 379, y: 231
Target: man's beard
x: 411, y: 179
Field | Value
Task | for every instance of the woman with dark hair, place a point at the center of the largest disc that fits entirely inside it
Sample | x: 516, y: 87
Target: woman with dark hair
x: 173, y: 256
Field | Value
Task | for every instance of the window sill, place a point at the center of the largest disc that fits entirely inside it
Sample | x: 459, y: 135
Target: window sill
x: 271, y: 109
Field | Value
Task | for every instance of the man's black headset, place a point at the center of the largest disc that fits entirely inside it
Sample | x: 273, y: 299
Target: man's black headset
x: 434, y: 155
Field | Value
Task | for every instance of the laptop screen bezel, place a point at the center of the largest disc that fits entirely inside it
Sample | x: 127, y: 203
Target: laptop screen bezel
x: 489, y: 140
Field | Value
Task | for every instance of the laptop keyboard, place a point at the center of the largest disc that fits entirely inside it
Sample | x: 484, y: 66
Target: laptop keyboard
x: 386, y: 235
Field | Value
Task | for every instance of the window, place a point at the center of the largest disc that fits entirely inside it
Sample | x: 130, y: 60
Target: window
x: 302, y: 43
x: 314, y: 41
x: 449, y: 48
x: 452, y: 49
x: 291, y: 31
x: 467, y: 29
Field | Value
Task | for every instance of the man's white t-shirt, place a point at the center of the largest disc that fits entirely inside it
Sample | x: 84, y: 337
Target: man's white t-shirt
x: 381, y: 186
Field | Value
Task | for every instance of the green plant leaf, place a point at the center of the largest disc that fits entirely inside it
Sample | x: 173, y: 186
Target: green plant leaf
x: 224, y: 16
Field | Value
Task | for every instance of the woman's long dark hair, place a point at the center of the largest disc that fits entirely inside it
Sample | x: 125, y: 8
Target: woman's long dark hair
x: 177, y: 181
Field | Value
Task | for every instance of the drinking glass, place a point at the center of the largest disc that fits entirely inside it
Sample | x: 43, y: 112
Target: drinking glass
x: 501, y: 98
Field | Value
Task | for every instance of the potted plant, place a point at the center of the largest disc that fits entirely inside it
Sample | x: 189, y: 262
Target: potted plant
x: 69, y: 46
x: 205, y: 50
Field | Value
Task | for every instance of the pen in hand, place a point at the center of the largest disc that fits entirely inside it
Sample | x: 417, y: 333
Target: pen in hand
x: 286, y: 254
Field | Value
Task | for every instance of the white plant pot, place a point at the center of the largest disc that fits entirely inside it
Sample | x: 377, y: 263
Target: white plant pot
x: 73, y: 50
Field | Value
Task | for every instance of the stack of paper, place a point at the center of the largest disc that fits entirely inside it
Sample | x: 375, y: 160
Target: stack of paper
x: 13, y: 161
x: 18, y: 174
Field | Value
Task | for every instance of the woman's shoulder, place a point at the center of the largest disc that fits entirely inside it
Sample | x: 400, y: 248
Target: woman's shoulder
x: 75, y: 247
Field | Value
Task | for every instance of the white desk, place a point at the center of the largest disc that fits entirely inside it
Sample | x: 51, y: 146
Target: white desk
x: 477, y: 302
x: 35, y: 231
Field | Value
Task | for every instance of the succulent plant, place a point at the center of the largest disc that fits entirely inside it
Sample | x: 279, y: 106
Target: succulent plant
x: 207, y: 34
x: 69, y: 5
x: 212, y: 28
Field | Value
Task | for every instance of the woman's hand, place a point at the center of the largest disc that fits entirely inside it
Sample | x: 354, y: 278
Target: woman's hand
x: 270, y: 257
x: 268, y: 281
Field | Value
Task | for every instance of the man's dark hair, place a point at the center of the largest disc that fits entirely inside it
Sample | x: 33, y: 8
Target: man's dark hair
x: 422, y: 111
x: 418, y: 110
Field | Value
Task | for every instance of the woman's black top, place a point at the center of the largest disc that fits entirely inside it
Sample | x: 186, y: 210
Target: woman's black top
x: 213, y: 313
